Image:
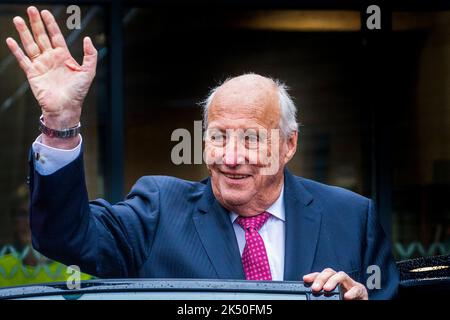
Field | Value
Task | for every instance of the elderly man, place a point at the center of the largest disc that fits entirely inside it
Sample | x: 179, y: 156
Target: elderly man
x: 251, y: 219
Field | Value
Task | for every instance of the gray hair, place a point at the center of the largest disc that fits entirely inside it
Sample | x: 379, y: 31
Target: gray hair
x: 288, y: 118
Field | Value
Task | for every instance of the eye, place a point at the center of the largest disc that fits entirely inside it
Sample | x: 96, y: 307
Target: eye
x: 251, y: 140
x: 217, y: 137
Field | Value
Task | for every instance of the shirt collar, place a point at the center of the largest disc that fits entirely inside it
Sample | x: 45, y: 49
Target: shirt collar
x: 276, y: 209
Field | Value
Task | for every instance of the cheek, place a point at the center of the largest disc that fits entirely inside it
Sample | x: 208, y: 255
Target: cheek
x: 273, y: 159
x: 213, y: 154
x: 266, y: 154
x: 283, y: 153
x: 263, y: 154
x: 260, y: 185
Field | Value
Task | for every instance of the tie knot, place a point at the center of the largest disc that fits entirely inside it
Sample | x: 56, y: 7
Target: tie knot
x: 255, y: 222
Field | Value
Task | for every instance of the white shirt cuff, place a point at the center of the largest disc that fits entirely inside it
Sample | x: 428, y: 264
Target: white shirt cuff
x: 48, y: 160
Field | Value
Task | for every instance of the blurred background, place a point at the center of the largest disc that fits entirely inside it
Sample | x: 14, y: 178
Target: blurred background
x: 374, y: 105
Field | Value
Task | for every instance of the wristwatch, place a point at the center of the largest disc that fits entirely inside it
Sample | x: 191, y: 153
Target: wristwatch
x: 64, y: 133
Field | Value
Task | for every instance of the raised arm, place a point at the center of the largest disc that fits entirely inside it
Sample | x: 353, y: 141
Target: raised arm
x: 103, y: 239
x: 58, y: 82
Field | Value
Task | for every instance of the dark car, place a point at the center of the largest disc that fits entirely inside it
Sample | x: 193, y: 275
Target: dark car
x: 427, y: 277
x: 169, y: 289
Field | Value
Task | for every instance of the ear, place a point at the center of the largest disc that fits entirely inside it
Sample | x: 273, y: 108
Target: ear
x: 291, y: 147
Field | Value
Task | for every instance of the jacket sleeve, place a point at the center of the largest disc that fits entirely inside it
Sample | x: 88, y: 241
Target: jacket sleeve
x: 104, y: 240
x: 378, y: 260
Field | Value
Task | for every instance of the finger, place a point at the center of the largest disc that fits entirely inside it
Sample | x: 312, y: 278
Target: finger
x: 322, y: 278
x: 356, y: 293
x: 24, y: 61
x: 338, y: 278
x: 40, y: 35
x: 90, y: 55
x: 31, y: 48
x: 56, y: 36
x: 310, y: 277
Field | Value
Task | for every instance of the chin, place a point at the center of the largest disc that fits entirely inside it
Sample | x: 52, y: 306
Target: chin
x: 235, y: 199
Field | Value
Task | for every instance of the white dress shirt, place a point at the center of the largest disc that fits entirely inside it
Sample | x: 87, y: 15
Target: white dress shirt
x: 49, y: 160
x: 272, y: 233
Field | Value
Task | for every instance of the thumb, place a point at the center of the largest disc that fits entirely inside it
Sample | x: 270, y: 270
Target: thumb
x: 90, y: 55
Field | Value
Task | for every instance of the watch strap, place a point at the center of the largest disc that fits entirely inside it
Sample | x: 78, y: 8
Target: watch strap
x: 64, y: 133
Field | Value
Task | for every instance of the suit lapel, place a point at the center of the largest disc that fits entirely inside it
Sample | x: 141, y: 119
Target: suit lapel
x: 303, y: 218
x: 216, y: 233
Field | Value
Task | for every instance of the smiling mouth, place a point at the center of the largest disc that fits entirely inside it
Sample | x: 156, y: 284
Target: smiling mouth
x: 236, y: 176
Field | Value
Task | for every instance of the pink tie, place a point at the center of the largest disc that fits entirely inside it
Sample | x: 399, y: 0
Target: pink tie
x: 254, y: 258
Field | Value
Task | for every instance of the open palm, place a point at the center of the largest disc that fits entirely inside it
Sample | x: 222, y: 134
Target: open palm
x: 58, y: 82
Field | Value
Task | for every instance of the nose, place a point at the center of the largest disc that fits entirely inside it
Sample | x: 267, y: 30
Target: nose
x: 234, y: 154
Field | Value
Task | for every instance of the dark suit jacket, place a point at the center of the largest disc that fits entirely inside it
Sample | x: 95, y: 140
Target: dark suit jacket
x: 172, y: 228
